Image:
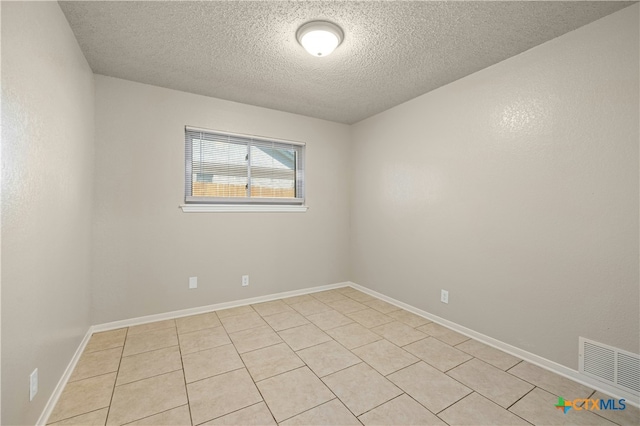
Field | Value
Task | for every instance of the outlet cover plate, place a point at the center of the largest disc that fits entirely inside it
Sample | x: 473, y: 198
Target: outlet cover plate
x: 444, y: 296
x: 245, y: 280
x: 193, y: 282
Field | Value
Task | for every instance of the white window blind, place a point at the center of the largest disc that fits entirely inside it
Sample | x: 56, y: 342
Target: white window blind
x: 226, y: 168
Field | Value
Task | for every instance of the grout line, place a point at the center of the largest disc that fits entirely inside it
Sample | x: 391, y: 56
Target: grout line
x: 145, y: 378
x: 516, y: 401
x: 146, y: 352
x: 155, y: 414
x: 257, y: 388
x: 516, y: 414
x: 340, y: 370
x: 462, y: 363
x: 309, y: 409
x: 373, y: 408
x: 458, y: 400
x: 263, y: 347
x: 117, y: 373
x: 78, y: 415
x: 96, y: 375
x: 205, y: 349
x: 235, y: 411
x: 184, y: 377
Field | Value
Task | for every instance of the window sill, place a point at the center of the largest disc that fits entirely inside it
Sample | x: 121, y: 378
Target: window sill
x: 240, y: 208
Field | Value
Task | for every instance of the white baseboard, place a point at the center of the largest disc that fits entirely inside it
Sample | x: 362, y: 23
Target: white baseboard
x: 517, y: 352
x: 512, y: 350
x: 57, y: 391
x: 210, y: 308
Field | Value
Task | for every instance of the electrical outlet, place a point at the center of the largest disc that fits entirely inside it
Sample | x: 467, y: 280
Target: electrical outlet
x: 444, y: 296
x: 193, y: 282
x: 33, y: 384
x: 245, y: 280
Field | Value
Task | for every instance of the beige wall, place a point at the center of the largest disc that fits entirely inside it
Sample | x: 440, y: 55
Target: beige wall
x: 146, y: 248
x: 47, y: 169
x: 516, y: 189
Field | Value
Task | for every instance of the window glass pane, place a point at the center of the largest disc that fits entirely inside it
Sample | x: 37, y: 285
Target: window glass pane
x: 230, y: 168
x: 273, y: 171
x: 219, y: 168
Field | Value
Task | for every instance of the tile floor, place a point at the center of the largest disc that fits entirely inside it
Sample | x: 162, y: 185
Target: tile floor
x: 338, y: 357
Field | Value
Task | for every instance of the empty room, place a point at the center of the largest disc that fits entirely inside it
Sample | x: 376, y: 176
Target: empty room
x: 320, y: 213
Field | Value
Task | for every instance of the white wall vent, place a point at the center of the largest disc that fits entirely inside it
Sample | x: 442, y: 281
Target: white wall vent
x: 610, y: 365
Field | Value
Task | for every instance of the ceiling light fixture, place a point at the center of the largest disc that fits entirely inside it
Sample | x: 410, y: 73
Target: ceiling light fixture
x: 319, y: 38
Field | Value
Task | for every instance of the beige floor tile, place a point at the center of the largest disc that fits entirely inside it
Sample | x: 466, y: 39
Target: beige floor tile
x: 329, y: 319
x: 345, y: 289
x: 149, y: 364
x: 84, y: 396
x: 270, y: 361
x: 381, y: 306
x: 94, y: 418
x: 96, y: 363
x: 551, y: 382
x: 353, y: 335
x: 200, y: 340
x: 303, y: 336
x: 430, y: 387
x: 491, y: 382
x: 197, y: 322
x: 151, y: 326
x: 242, y: 322
x: 412, y: 320
x: 106, y: 340
x: 347, y: 306
x: 293, y: 392
x: 328, y: 358
x: 254, y: 338
x: 238, y: 310
x: 443, y: 334
x: 298, y: 299
x: 493, y: 356
x: 332, y: 413
x: 254, y: 415
x: 385, y: 357
x: 629, y: 416
x: 311, y: 307
x: 202, y: 364
x: 399, y: 333
x: 369, y: 318
x: 538, y: 407
x: 147, y: 397
x: 437, y: 353
x: 150, y: 341
x: 402, y: 410
x: 361, y: 388
x: 271, y: 308
x: 285, y: 320
x: 359, y: 296
x: 328, y: 296
x: 220, y: 395
x: 478, y: 410
x: 179, y: 416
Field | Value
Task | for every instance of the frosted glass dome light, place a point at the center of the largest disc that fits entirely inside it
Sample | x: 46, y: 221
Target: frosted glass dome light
x: 319, y: 38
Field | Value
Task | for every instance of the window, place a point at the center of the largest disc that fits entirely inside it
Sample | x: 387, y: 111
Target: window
x: 230, y: 169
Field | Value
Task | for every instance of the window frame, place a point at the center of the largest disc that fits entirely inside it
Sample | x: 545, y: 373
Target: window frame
x: 247, y: 203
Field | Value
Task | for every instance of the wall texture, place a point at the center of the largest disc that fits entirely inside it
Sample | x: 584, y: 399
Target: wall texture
x: 516, y: 189
x: 47, y: 169
x: 146, y: 248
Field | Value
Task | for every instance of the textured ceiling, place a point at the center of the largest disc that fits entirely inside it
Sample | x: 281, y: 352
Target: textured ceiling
x: 247, y: 52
